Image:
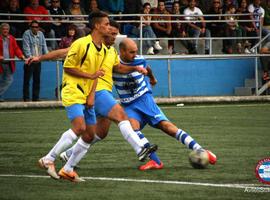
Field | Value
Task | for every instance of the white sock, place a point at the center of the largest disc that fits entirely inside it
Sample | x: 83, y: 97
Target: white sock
x: 63, y: 143
x: 69, y: 151
x: 130, y: 136
x: 78, y: 152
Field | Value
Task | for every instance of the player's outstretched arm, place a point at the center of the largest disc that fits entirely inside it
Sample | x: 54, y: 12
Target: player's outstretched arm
x: 124, y: 69
x: 56, y: 54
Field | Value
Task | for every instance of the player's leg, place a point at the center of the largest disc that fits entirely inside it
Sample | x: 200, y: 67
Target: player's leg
x: 156, y: 118
x: 106, y: 105
x: 137, y: 123
x: 102, y: 129
x: 75, y: 114
x: 184, y: 138
x: 80, y: 148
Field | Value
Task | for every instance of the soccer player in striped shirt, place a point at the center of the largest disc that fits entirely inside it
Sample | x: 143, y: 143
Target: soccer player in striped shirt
x: 135, y: 94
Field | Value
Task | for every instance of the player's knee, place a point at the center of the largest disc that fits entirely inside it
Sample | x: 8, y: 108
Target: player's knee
x: 79, y: 128
x: 118, y: 114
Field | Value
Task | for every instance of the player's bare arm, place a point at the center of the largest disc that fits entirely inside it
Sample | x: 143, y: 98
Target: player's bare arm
x: 153, y: 80
x: 77, y: 73
x: 124, y: 69
x: 56, y: 54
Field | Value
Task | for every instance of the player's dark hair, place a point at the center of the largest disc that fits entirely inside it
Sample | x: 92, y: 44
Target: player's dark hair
x: 114, y: 24
x: 95, y: 17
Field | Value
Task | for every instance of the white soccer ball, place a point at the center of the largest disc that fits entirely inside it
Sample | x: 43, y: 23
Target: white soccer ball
x: 198, y: 159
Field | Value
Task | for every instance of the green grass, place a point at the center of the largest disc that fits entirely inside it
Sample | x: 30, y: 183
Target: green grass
x: 238, y: 134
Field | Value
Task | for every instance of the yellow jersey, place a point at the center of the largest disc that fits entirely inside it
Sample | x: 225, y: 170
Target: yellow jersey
x: 86, y: 57
x: 106, y: 82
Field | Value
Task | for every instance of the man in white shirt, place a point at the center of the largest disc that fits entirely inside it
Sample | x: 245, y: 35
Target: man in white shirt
x: 258, y: 14
x: 196, y: 29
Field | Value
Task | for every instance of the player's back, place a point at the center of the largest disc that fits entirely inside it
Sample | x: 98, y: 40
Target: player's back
x: 133, y: 85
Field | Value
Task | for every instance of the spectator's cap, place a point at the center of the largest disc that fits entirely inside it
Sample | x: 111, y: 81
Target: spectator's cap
x: 95, y: 17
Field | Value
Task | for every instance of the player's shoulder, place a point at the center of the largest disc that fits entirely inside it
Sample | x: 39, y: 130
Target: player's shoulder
x: 83, y: 40
x: 139, y: 58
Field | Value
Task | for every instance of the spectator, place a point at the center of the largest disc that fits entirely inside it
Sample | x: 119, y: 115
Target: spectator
x: 169, y: 5
x: 47, y: 4
x: 76, y: 9
x: 247, y: 27
x: 69, y: 38
x: 258, y: 14
x: 196, y: 29
x: 153, y: 3
x: 216, y: 28
x: 58, y: 27
x: 111, y: 6
x: 16, y: 29
x: 163, y: 29
x: 34, y: 44
x: 92, y: 6
x: 183, y: 5
x: 8, y: 49
x: 265, y: 61
x: 148, y: 32
x: 178, y: 28
x: 232, y: 30
x: 227, y: 3
x: 45, y: 27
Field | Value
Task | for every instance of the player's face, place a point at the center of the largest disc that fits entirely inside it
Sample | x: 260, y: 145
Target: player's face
x: 104, y: 27
x: 110, y: 40
x: 129, y: 53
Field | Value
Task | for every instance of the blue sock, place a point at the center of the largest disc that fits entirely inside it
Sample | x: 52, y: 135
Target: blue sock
x: 190, y: 143
x: 153, y: 156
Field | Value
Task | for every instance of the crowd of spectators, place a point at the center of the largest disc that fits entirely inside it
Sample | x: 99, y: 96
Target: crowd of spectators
x: 50, y: 24
x: 193, y: 10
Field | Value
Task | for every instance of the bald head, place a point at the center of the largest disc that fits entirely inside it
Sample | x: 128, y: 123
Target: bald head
x: 128, y: 50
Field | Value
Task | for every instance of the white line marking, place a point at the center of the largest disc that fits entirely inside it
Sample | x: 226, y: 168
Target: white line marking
x: 162, y: 107
x: 213, y: 106
x: 223, y: 185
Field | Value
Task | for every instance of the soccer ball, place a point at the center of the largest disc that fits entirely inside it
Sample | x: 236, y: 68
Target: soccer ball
x: 198, y: 159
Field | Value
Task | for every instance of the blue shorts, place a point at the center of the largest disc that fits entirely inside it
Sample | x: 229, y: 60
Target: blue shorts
x: 79, y: 110
x: 145, y: 110
x: 104, y: 102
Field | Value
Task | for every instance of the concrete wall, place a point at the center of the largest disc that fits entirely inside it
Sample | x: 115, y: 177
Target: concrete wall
x: 204, y: 77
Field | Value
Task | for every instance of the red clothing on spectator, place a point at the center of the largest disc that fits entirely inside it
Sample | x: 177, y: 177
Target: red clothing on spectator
x: 41, y: 10
x: 14, y: 50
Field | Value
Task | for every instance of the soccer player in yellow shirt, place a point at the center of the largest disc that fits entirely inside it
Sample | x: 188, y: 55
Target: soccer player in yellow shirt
x: 82, y: 65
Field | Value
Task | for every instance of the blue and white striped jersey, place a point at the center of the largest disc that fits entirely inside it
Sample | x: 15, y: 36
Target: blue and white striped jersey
x: 133, y: 85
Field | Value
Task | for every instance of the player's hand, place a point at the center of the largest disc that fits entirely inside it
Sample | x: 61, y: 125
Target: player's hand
x: 31, y: 60
x: 98, y: 73
x: 141, y: 70
x: 1, y: 58
x: 153, y: 81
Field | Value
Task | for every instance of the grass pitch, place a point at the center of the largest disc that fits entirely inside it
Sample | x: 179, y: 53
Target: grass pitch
x: 239, y: 134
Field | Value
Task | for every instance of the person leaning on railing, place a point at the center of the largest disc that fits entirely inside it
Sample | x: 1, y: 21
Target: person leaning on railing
x: 8, y: 50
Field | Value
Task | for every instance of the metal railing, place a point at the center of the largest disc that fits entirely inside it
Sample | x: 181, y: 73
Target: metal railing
x: 254, y: 55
